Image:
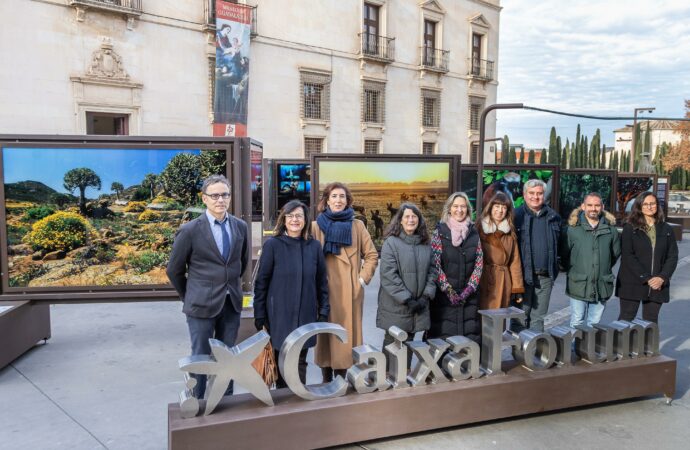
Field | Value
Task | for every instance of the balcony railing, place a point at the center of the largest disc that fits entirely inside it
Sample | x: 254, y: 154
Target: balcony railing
x: 482, y: 69
x: 129, y: 7
x: 434, y: 59
x: 211, y: 17
x: 377, y: 47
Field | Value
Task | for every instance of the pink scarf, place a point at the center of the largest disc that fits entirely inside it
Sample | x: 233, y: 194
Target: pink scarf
x: 458, y: 230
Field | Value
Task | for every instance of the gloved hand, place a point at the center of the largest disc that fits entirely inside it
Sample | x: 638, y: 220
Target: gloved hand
x: 415, y: 306
x: 322, y: 318
x: 259, y: 324
x: 424, y: 300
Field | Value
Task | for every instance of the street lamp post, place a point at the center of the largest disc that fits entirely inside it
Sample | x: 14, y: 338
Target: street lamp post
x: 632, y: 141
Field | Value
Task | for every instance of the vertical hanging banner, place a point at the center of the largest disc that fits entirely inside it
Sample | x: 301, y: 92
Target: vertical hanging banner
x: 230, y: 102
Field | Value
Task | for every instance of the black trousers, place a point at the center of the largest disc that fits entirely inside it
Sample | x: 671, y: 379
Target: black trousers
x: 301, y: 368
x: 650, y: 310
x: 223, y: 327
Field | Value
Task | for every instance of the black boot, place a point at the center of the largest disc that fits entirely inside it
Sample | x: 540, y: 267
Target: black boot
x: 327, y: 374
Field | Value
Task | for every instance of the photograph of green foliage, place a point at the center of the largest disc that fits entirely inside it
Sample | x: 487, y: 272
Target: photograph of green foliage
x: 574, y: 185
x: 379, y: 186
x: 510, y: 181
x: 83, y: 217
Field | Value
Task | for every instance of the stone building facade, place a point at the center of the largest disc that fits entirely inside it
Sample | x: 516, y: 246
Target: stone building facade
x: 349, y: 76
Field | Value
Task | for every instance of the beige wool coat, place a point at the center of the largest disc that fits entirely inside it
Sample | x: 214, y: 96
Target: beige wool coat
x: 345, y: 295
x: 502, y: 274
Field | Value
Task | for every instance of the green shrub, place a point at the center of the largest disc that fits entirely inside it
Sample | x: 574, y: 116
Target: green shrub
x: 135, y: 207
x: 37, y: 213
x: 147, y: 260
x: 60, y: 231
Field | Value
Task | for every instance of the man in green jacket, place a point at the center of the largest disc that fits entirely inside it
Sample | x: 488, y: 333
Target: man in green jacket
x: 591, y: 248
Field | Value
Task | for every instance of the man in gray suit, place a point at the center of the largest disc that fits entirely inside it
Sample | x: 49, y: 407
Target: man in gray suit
x: 212, y: 252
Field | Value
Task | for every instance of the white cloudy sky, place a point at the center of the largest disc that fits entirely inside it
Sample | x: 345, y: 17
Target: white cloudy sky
x: 598, y: 57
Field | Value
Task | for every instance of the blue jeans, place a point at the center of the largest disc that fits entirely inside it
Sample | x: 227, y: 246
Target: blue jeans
x: 585, y: 313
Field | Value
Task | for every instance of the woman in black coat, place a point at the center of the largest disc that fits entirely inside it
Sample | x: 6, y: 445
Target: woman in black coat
x: 291, y: 287
x: 458, y: 262
x: 649, y: 256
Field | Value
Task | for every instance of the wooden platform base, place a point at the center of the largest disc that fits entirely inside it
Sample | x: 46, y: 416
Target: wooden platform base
x: 22, y: 325
x: 243, y: 422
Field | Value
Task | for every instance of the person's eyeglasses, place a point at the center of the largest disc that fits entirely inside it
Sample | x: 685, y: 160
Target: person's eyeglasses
x: 294, y: 216
x: 224, y: 196
x: 461, y: 207
x: 649, y: 205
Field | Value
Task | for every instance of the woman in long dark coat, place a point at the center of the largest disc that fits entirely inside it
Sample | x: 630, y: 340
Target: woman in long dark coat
x: 458, y: 261
x: 291, y: 287
x: 649, y: 256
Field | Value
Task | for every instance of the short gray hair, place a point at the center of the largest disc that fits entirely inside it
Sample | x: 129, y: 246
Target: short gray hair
x: 449, y: 202
x: 533, y: 183
x: 213, y: 179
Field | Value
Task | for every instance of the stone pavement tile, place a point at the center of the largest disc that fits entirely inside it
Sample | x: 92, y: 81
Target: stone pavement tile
x: 32, y: 421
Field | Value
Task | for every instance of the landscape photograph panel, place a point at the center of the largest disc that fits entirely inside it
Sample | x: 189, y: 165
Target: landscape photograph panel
x: 379, y: 187
x: 83, y: 217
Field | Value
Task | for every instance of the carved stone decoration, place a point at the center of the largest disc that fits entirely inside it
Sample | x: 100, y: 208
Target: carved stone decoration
x: 106, y: 63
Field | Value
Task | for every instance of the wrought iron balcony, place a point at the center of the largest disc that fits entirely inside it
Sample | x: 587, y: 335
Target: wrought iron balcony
x: 482, y: 69
x: 211, y: 17
x: 434, y: 59
x: 379, y: 48
x: 127, y: 7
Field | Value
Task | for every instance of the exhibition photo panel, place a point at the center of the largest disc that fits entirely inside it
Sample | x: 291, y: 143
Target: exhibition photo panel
x: 379, y: 184
x: 574, y: 184
x: 97, y: 216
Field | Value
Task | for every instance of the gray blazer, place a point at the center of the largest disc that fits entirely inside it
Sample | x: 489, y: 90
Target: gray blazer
x: 208, y: 277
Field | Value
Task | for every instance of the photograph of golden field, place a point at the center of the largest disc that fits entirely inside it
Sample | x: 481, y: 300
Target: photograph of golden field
x: 379, y: 187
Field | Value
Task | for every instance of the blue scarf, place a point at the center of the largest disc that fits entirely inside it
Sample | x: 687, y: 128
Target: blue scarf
x: 337, y: 228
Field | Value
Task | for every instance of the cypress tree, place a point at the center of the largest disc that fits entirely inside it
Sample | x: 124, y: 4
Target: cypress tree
x: 638, y: 148
x: 505, y: 150
x: 585, y: 154
x: 552, y: 145
x: 511, y: 156
x: 542, y: 156
x: 565, y: 154
x: 557, y: 156
x: 530, y: 158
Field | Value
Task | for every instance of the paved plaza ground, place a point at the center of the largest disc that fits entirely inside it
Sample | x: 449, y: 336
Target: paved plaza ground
x: 106, y: 376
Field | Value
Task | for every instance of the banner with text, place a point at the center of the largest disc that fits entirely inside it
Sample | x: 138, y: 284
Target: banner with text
x: 230, y: 102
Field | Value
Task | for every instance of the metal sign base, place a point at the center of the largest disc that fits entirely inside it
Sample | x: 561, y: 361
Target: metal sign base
x: 242, y: 421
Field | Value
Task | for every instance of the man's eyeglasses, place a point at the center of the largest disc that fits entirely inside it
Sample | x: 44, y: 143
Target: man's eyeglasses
x: 649, y: 205
x: 224, y: 196
x: 294, y: 216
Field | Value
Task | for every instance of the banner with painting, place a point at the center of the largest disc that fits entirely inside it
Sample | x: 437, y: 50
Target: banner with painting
x: 230, y: 100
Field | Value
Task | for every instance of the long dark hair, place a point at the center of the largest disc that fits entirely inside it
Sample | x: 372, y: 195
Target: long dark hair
x: 289, y: 207
x: 636, y: 217
x: 327, y: 193
x: 500, y: 199
x: 395, y: 227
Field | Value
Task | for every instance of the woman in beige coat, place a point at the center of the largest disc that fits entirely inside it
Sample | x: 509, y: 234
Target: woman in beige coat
x: 502, y: 277
x: 351, y: 260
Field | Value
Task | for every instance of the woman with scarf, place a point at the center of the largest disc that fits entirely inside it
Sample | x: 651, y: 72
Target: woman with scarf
x: 458, y: 261
x: 351, y: 260
x: 502, y: 277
